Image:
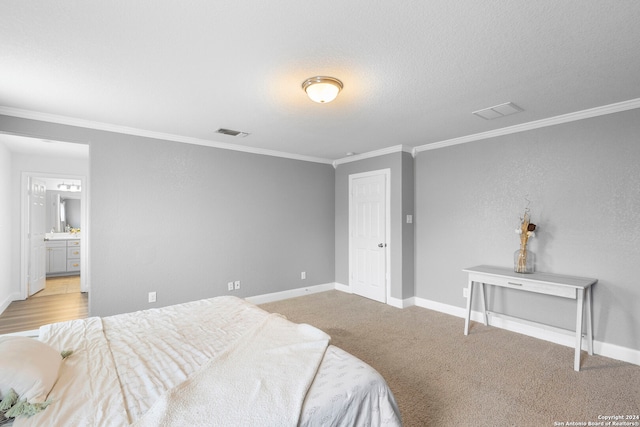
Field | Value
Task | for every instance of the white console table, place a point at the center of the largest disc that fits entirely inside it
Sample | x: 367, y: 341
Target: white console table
x: 578, y: 288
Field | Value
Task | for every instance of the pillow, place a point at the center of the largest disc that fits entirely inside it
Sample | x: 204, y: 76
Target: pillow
x: 28, y: 366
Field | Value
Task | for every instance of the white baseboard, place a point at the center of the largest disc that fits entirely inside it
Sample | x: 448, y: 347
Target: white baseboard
x: 343, y: 288
x: 8, y: 300
x: 292, y: 293
x: 541, y: 332
x: 401, y: 303
x: 394, y: 302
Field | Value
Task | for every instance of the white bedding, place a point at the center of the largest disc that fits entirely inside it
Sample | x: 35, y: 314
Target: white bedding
x: 262, y: 380
x: 123, y: 364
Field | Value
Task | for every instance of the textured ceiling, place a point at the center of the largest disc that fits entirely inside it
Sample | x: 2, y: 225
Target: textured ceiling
x: 413, y: 71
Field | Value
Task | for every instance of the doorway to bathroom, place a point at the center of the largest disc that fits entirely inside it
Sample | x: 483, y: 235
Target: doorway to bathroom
x: 55, y: 217
x: 47, y: 208
x: 51, y: 182
x: 54, y: 222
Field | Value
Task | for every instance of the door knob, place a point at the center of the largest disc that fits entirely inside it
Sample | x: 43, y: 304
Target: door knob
x: 382, y: 245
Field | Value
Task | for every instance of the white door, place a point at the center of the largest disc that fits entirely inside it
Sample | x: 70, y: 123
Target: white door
x: 367, y: 239
x: 36, y: 234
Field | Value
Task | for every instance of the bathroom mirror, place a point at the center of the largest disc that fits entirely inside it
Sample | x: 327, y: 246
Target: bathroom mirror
x: 63, y: 209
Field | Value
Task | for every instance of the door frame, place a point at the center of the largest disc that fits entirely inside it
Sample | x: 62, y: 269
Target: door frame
x: 387, y: 201
x: 24, y: 228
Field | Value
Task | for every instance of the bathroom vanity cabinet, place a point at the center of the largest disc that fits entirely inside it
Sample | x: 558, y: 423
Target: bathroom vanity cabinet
x: 63, y: 257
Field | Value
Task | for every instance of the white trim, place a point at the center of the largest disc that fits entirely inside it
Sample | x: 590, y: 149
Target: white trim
x: 24, y: 230
x: 551, y: 121
x: 392, y: 301
x: 89, y: 124
x: 8, y: 300
x: 292, y: 293
x: 536, y: 330
x: 343, y: 288
x: 85, y: 233
x: 442, y: 308
x: 387, y: 179
x: 375, y: 153
x: 400, y: 303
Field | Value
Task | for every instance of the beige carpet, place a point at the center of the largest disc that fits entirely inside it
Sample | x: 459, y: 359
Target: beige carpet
x: 490, y: 378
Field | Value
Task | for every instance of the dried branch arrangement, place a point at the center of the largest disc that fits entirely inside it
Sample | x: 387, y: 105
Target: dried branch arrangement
x: 526, y: 230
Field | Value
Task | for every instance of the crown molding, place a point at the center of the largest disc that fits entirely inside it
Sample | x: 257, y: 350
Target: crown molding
x: 551, y: 121
x: 89, y: 124
x: 375, y: 153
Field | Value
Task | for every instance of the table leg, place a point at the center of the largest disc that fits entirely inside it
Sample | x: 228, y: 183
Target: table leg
x: 468, y: 318
x: 484, y: 304
x: 579, y: 315
x: 589, y: 321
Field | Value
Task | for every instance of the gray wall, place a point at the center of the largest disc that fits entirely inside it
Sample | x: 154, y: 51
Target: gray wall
x: 583, y: 181
x: 401, y: 244
x: 183, y: 220
x: 193, y: 218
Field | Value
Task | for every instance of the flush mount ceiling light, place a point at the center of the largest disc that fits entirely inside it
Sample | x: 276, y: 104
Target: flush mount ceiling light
x: 322, y: 89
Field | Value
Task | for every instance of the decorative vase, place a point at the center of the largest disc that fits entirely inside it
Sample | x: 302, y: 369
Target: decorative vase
x: 524, y: 261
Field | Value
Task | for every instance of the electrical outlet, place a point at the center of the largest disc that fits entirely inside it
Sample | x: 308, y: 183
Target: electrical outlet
x: 237, y: 284
x: 465, y: 292
x: 152, y: 297
x: 230, y: 286
x: 303, y: 275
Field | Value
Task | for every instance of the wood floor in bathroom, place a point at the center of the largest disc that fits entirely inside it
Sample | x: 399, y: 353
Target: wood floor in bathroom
x: 60, y: 300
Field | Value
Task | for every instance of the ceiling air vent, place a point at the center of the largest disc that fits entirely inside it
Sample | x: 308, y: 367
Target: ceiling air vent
x: 501, y: 110
x: 232, y: 132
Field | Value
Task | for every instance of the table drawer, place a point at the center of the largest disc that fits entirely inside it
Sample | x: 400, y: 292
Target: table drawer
x: 73, y: 243
x: 526, y: 285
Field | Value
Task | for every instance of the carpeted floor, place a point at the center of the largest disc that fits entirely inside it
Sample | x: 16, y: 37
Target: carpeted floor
x: 491, y: 377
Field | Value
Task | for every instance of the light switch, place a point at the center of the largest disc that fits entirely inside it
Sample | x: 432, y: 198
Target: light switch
x: 409, y: 219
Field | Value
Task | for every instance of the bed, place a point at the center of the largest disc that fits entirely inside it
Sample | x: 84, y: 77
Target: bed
x: 220, y: 361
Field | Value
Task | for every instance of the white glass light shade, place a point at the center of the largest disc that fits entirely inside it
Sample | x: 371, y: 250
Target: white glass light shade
x: 69, y: 187
x: 322, y: 89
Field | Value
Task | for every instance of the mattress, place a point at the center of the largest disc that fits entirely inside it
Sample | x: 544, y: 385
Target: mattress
x: 121, y: 365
